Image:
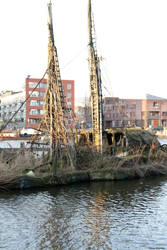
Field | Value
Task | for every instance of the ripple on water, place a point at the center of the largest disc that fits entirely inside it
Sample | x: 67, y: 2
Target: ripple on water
x: 117, y: 215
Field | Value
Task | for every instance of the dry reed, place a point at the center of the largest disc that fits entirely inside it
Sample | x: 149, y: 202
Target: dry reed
x: 14, y: 164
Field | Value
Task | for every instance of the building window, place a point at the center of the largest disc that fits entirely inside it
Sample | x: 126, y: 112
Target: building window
x: 121, y: 102
x: 41, y: 94
x: 36, y: 112
x: 36, y: 93
x: 32, y: 84
x: 68, y: 85
x: 155, y: 104
x: 36, y: 103
x: 154, y: 113
x: 69, y: 103
x: 69, y: 95
x: 113, y: 124
x: 34, y: 120
x: 42, y: 85
x: 164, y: 113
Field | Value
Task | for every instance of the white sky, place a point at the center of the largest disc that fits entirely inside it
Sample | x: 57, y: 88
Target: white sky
x: 131, y: 37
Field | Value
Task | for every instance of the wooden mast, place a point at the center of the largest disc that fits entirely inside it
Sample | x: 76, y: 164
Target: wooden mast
x: 54, y: 107
x: 95, y: 84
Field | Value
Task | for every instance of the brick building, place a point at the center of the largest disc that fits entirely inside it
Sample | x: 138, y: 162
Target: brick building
x: 148, y: 112
x: 154, y: 111
x: 35, y: 103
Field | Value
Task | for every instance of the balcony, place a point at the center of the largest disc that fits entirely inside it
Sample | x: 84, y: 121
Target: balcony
x: 153, y: 115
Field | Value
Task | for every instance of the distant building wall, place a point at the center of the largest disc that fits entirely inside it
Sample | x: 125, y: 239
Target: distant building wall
x: 154, y: 112
x: 134, y: 112
x: 10, y: 102
x: 121, y: 112
x: 83, y: 116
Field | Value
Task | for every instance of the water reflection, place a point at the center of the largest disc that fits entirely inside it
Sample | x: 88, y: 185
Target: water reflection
x: 98, y: 223
x: 110, y: 215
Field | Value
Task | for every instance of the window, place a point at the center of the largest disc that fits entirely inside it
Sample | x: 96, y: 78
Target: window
x: 69, y: 95
x: 36, y: 93
x: 68, y: 85
x: 121, y: 102
x: 36, y: 103
x: 36, y: 112
x: 154, y: 113
x: 113, y: 124
x: 33, y: 103
x: 164, y: 113
x: 42, y: 85
x: 41, y: 94
x: 69, y: 103
x: 32, y: 84
x: 155, y: 104
x: 34, y: 120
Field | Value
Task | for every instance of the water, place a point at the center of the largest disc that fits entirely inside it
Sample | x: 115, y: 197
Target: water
x: 111, y: 215
x: 12, y: 143
x: 163, y: 141
x: 16, y: 143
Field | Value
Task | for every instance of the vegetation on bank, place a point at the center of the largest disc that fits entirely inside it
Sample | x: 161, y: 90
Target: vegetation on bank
x: 136, y: 162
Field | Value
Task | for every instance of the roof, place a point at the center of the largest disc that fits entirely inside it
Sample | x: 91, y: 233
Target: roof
x: 153, y: 97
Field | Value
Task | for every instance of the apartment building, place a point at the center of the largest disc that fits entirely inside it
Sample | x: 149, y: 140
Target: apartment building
x: 154, y: 111
x: 35, y: 102
x: 148, y: 112
x: 10, y: 102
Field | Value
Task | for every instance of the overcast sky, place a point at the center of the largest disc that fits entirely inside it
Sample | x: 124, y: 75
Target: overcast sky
x: 131, y: 37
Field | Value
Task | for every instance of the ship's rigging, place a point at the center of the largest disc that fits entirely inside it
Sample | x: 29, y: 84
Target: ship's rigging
x: 54, y: 122
x: 95, y: 84
x: 54, y: 107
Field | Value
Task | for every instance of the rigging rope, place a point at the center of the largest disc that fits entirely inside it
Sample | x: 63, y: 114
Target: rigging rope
x: 74, y: 58
x: 112, y: 95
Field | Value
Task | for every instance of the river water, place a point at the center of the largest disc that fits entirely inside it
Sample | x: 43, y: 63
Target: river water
x: 123, y: 215
x: 104, y: 215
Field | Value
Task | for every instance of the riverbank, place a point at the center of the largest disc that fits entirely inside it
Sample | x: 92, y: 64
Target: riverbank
x: 115, y: 169
x: 106, y: 174
x: 27, y: 168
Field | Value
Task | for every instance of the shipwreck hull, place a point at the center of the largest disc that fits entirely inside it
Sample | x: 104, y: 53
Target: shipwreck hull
x: 121, y: 138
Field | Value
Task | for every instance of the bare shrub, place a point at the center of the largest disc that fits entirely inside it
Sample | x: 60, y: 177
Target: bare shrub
x: 16, y: 164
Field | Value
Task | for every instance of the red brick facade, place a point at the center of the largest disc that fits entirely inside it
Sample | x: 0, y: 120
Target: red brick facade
x: 154, y: 113
x: 135, y: 112
x: 34, y: 104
